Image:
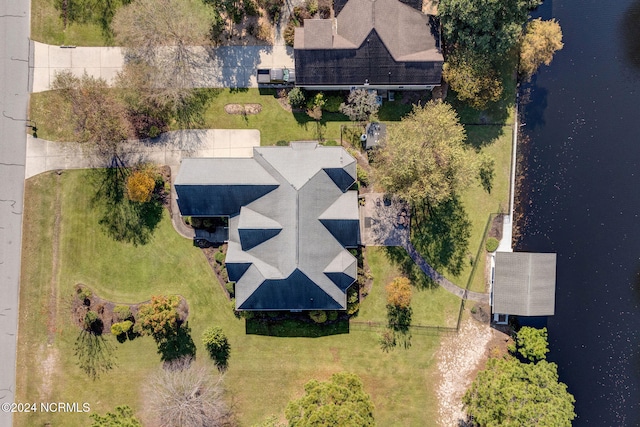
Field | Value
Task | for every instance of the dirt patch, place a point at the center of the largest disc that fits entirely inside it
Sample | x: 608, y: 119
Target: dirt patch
x: 243, y: 109
x: 47, y: 367
x: 458, y: 359
x: 496, y: 227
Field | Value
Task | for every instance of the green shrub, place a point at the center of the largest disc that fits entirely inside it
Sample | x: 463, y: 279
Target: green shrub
x: 353, y: 300
x: 196, y: 222
x: 332, y: 315
x: 290, y: 35
x: 363, y: 176
x: 187, y: 220
x: 331, y: 143
x: 282, y: 143
x: 297, y: 98
x: 492, y: 244
x: 91, y: 321
x: 251, y: 8
x: 332, y: 104
x: 318, y: 316
x: 217, y: 344
x: 122, y: 312
x: 219, y: 257
x: 224, y: 274
x: 231, y: 288
x: 121, y: 327
x: 273, y: 314
x: 83, y: 292
x: 312, y: 7
x: 207, y: 223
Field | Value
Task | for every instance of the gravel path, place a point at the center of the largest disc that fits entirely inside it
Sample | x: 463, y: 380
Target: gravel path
x: 458, y: 358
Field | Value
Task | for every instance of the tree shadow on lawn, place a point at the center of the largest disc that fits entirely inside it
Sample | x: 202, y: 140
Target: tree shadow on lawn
x: 178, y: 346
x: 399, y: 256
x: 122, y: 219
x: 441, y: 235
x: 295, y: 328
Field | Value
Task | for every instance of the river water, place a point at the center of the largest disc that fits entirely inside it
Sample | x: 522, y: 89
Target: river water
x: 583, y: 198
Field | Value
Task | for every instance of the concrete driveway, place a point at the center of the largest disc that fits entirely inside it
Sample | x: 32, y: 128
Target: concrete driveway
x: 225, y: 66
x: 170, y: 149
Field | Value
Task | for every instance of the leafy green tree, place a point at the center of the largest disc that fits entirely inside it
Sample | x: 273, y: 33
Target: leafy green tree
x: 217, y: 344
x: 513, y: 394
x: 341, y: 401
x: 488, y: 28
x: 121, y: 417
x: 360, y: 106
x: 542, y: 39
x: 297, y: 98
x: 424, y: 157
x: 532, y: 343
x: 473, y: 79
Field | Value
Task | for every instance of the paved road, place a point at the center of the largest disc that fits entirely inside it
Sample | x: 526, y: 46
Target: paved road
x: 225, y: 66
x: 14, y: 72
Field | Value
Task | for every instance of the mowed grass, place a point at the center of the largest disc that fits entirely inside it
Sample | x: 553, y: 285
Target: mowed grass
x: 48, y: 27
x: 430, y: 307
x: 264, y: 372
x: 53, y: 116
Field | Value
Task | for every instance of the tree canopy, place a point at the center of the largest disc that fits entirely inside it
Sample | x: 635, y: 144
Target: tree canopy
x: 121, y: 417
x: 100, y: 118
x: 360, y: 106
x: 542, y: 39
x: 424, y: 157
x: 510, y: 393
x: 140, y: 185
x: 399, y: 292
x: 160, y: 317
x: 488, y: 28
x: 183, y: 394
x: 162, y: 34
x: 532, y: 343
x: 513, y: 394
x: 473, y: 79
x: 341, y: 401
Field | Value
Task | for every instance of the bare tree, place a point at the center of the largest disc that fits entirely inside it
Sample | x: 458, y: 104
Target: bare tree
x: 165, y: 35
x: 185, y: 395
x: 100, y: 118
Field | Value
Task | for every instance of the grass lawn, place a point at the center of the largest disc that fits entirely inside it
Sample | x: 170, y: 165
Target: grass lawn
x: 264, y: 372
x: 478, y: 203
x: 48, y: 27
x: 431, y: 307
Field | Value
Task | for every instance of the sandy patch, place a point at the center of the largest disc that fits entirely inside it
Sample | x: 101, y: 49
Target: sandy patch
x: 47, y: 367
x: 458, y: 359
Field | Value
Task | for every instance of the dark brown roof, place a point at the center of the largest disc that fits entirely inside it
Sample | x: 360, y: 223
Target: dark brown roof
x: 370, y: 63
x: 408, y: 35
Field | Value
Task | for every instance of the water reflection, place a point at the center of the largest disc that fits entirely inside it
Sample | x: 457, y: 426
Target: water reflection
x: 630, y: 29
x: 534, y: 98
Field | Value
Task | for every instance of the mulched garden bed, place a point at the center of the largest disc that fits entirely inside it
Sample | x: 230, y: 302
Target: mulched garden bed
x: 80, y: 305
x: 243, y: 109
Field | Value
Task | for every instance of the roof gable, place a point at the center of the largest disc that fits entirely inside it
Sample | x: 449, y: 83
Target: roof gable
x: 286, y: 248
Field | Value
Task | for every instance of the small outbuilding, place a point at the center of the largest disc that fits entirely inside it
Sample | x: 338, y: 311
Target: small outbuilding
x: 524, y: 284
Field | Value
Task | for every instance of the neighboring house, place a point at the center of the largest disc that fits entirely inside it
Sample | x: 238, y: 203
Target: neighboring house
x: 377, y: 44
x: 291, y: 216
x: 524, y: 284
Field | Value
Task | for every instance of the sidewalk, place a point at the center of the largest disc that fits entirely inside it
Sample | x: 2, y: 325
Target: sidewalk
x: 225, y: 66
